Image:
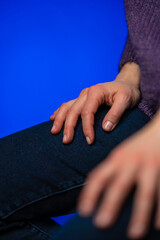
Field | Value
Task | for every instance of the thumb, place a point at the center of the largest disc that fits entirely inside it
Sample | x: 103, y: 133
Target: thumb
x: 114, y: 114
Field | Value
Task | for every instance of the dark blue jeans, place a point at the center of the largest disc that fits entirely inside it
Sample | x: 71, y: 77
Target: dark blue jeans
x: 40, y: 177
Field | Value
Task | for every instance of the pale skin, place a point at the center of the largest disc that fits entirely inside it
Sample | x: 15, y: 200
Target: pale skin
x: 136, y: 161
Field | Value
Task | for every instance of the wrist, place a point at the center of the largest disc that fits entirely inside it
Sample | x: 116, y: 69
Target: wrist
x: 156, y: 121
x: 130, y: 73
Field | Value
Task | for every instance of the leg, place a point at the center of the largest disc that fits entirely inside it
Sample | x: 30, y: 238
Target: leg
x: 83, y: 228
x: 41, y: 177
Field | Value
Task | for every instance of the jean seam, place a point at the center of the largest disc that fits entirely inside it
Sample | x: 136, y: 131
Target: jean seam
x: 40, y: 198
x: 39, y: 230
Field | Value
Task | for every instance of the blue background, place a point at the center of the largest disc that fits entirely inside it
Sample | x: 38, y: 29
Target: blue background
x: 50, y: 51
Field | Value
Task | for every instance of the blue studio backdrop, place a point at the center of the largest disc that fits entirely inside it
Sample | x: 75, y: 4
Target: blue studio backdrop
x: 49, y: 51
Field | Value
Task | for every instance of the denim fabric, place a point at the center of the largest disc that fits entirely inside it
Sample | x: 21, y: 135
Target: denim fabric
x: 40, y: 177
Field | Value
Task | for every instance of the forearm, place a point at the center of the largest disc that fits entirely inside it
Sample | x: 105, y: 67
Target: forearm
x: 130, y: 73
x: 129, y: 70
x: 156, y: 122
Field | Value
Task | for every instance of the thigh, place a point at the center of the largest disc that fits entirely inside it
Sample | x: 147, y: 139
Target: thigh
x: 43, y: 229
x: 83, y: 228
x: 40, y: 175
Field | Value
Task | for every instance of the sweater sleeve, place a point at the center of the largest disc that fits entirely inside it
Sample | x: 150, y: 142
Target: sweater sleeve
x: 128, y: 54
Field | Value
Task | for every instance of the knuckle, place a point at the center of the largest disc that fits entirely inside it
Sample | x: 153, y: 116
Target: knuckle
x: 113, y: 116
x: 67, y: 128
x: 68, y: 124
x: 71, y: 111
x: 55, y: 112
x: 125, y: 95
x: 74, y: 111
x: 85, y: 112
x: 63, y: 105
x: 93, y: 89
x: 84, y: 91
x: 59, y: 117
x: 57, y: 123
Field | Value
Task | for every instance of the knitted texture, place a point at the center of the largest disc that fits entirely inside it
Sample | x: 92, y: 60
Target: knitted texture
x: 128, y: 54
x: 143, y: 47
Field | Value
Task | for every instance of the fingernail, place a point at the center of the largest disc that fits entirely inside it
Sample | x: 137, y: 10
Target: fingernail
x: 135, y: 231
x: 88, y: 140
x: 102, y: 220
x: 53, y: 128
x: 64, y: 137
x: 84, y: 210
x: 108, y: 126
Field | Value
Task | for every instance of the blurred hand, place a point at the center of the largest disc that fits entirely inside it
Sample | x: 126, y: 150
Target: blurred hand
x: 118, y: 94
x: 136, y: 161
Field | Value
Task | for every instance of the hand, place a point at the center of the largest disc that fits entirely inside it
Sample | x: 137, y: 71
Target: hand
x: 136, y: 161
x: 118, y: 94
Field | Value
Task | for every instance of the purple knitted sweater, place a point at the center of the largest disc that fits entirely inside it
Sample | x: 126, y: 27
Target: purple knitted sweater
x: 143, y: 47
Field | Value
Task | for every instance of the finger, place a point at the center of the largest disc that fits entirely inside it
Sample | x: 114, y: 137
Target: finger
x: 120, y: 104
x: 143, y: 204
x: 157, y: 216
x: 94, y: 100
x: 72, y: 118
x: 54, y: 114
x: 61, y: 116
x: 114, y: 197
x: 96, y: 180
